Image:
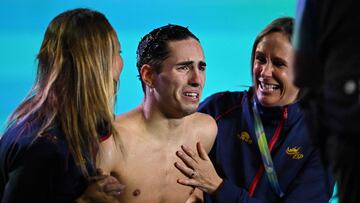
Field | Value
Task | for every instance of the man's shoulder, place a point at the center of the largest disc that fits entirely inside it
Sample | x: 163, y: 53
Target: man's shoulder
x: 128, y: 119
x: 205, y: 128
x: 200, y: 117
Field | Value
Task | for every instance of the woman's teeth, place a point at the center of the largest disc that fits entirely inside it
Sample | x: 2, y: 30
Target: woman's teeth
x: 269, y: 87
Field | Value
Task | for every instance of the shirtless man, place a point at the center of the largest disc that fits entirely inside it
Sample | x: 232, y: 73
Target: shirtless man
x: 171, y: 66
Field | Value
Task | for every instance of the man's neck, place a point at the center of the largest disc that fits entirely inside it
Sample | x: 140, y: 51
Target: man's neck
x: 156, y: 121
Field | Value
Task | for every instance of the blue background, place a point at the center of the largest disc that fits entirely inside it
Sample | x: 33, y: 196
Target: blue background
x: 226, y: 29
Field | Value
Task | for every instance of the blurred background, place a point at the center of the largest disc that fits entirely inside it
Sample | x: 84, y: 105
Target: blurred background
x: 226, y: 29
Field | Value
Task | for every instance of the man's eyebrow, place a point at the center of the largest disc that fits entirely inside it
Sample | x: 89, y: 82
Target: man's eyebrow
x: 184, y: 63
x: 202, y: 63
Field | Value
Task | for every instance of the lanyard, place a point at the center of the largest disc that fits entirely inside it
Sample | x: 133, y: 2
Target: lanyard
x: 264, y: 148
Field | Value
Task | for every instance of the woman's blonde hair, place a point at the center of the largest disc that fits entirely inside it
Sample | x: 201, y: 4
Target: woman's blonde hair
x: 74, y: 87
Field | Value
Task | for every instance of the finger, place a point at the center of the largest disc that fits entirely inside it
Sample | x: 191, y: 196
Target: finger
x: 113, y: 194
x: 112, y: 180
x: 186, y: 159
x: 190, y: 152
x: 97, y: 178
x: 185, y: 170
x: 202, y: 152
x: 188, y: 182
x: 99, y: 171
x: 102, y: 180
x: 113, y: 188
x: 110, y: 185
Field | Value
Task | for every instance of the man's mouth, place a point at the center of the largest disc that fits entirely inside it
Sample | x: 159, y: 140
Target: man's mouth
x: 193, y: 95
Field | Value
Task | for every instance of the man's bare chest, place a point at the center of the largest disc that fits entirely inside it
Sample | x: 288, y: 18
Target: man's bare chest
x: 149, y: 175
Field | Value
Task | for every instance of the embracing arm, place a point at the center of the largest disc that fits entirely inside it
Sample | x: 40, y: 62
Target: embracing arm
x: 35, y: 175
x: 313, y: 184
x: 101, y: 189
x: 202, y: 175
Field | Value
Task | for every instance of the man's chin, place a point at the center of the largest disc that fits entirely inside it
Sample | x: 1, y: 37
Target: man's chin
x: 190, y: 110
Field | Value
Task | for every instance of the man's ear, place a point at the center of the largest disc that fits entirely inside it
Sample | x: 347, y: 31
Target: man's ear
x: 147, y: 75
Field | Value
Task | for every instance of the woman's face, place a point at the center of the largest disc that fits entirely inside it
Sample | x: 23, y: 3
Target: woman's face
x: 118, y: 64
x: 271, y: 75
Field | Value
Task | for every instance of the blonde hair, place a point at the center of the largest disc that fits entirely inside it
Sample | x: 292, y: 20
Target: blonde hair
x: 74, y: 86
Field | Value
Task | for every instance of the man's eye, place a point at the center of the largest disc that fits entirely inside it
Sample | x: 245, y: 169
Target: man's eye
x: 184, y: 67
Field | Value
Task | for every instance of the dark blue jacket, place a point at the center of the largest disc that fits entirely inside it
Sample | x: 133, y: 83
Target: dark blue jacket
x: 37, y: 170
x: 237, y: 158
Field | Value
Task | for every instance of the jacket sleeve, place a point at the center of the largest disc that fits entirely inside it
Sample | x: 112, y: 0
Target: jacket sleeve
x: 230, y: 193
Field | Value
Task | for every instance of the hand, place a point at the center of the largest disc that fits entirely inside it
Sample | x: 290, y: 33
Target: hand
x: 199, y: 168
x: 196, y: 196
x: 101, y: 189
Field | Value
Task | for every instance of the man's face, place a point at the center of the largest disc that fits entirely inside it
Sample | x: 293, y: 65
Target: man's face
x: 178, y: 86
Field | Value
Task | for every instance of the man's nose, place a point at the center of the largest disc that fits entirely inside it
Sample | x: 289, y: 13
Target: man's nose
x: 196, y: 78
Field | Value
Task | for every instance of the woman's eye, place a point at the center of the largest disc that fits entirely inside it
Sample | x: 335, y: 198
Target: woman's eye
x: 260, y: 59
x: 279, y: 63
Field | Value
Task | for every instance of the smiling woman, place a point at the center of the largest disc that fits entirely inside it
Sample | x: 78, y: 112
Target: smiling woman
x: 261, y: 132
x: 273, y: 56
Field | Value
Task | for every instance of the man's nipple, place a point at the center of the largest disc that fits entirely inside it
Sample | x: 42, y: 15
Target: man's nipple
x: 136, y: 192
